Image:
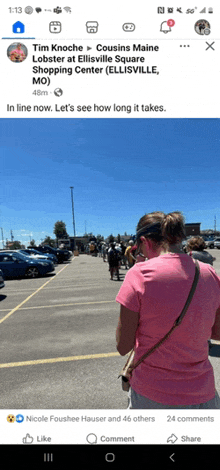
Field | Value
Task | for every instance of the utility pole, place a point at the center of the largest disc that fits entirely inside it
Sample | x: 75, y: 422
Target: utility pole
x: 2, y: 238
x: 74, y: 228
x: 215, y: 223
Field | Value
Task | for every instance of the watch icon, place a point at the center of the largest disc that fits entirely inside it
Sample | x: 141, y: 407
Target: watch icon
x: 55, y: 27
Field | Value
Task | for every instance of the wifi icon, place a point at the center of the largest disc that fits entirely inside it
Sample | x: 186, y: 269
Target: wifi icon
x: 67, y: 9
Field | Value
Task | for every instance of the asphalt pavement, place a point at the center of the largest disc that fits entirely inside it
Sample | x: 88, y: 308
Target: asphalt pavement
x: 57, y: 348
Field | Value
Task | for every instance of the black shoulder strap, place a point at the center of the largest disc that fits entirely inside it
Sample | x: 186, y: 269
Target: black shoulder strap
x: 190, y: 296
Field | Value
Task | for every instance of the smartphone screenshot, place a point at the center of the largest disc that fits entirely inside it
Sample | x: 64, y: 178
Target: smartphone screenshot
x: 110, y: 233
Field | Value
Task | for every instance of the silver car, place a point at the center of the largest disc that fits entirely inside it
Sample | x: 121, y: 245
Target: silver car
x: 209, y: 243
x: 217, y: 243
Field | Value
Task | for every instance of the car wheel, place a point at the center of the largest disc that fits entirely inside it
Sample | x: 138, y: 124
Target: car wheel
x: 32, y: 272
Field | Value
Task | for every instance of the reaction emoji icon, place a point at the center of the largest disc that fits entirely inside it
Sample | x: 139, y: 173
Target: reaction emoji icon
x: 11, y: 418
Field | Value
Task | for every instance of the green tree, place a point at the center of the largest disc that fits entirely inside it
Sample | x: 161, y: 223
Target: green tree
x: 111, y: 238
x: 99, y: 238
x: 32, y: 243
x: 60, y: 229
x: 16, y: 246
x: 49, y: 241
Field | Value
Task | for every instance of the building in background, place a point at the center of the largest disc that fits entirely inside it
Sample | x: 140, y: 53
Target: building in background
x: 192, y: 229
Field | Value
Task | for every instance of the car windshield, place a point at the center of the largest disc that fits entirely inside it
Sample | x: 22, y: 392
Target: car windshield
x: 20, y: 255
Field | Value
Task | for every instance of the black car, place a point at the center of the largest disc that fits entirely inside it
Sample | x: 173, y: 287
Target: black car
x: 2, y: 283
x: 62, y: 255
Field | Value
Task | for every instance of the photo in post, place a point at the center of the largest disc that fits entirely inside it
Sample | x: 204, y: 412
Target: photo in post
x: 121, y: 170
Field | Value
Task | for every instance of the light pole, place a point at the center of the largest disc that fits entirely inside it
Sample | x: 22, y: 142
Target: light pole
x: 2, y: 238
x: 74, y: 228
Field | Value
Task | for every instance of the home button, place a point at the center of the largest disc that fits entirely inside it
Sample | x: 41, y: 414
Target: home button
x: 110, y: 457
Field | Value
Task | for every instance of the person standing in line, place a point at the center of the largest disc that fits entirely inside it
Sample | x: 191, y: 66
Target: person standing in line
x: 196, y: 248
x: 124, y: 259
x: 103, y: 252
x: 133, y: 253
x: 113, y: 260
x: 128, y: 254
x: 178, y: 374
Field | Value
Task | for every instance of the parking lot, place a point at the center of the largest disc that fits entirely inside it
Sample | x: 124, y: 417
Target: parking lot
x: 57, y: 346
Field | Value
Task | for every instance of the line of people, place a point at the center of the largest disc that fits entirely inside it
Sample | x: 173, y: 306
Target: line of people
x: 119, y: 255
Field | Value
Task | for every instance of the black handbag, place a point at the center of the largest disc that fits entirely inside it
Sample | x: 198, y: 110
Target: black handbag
x: 129, y: 366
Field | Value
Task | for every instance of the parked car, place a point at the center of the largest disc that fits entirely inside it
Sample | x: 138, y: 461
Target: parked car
x: 62, y: 255
x: 209, y: 241
x: 217, y: 243
x: 19, y: 265
x: 38, y: 255
x: 2, y: 282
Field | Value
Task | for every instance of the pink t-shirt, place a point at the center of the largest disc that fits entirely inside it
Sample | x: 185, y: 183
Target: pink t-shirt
x: 18, y: 51
x: 179, y: 371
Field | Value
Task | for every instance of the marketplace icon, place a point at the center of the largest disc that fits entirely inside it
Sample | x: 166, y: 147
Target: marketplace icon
x: 92, y: 27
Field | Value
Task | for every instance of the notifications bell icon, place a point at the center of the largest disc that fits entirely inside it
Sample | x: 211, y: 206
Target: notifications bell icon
x: 164, y: 28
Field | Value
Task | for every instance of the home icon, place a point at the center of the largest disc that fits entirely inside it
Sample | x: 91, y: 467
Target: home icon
x: 18, y: 27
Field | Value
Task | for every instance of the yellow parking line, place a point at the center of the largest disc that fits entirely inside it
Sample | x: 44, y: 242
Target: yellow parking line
x: 30, y: 296
x: 57, y: 359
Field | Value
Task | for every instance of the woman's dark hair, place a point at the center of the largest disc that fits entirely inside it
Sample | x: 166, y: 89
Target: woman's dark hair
x: 196, y: 244
x: 163, y: 229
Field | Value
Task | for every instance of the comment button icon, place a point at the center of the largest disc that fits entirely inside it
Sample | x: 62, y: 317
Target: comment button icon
x: 91, y: 438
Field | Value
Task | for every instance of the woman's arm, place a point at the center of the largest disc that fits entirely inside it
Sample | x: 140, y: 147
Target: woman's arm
x: 216, y: 327
x: 126, y: 330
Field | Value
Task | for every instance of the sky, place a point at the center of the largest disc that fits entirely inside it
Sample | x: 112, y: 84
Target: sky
x: 120, y: 169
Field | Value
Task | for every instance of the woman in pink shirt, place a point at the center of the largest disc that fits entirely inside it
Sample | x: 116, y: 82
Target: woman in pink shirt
x: 178, y: 374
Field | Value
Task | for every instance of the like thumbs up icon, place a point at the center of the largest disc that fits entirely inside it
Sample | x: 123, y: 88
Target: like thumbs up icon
x: 27, y: 439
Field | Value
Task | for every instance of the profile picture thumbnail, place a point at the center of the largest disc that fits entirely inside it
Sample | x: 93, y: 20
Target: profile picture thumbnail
x: 202, y: 27
x: 17, y: 52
